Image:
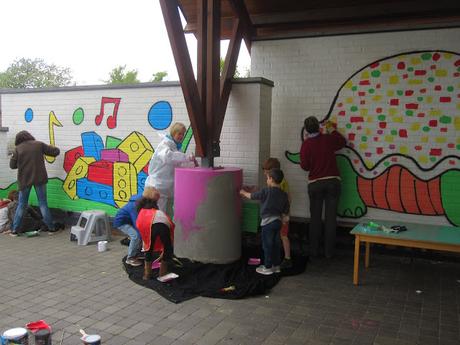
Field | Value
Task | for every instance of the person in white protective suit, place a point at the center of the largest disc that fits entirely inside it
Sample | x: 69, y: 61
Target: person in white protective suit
x: 165, y: 159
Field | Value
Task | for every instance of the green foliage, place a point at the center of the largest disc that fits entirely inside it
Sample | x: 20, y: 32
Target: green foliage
x: 158, y: 76
x: 120, y: 76
x: 238, y: 73
x: 29, y: 73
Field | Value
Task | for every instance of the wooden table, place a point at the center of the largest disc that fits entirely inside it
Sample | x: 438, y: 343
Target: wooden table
x: 446, y: 238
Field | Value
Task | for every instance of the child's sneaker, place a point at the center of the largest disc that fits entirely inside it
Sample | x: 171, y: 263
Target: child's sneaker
x: 133, y: 262
x: 264, y: 270
x: 287, y: 263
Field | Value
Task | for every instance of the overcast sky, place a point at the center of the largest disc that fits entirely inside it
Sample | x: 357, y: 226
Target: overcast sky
x: 92, y: 37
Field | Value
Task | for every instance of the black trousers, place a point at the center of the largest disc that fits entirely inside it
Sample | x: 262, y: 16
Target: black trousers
x: 160, y: 230
x: 327, y: 193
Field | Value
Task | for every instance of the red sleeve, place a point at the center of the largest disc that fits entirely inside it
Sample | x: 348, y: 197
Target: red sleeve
x: 304, y: 156
x: 338, y: 141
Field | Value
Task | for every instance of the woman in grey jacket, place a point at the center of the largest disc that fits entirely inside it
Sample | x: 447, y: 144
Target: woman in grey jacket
x: 28, y: 158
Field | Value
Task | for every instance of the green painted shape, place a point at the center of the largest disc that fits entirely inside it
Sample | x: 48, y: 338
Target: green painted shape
x: 112, y: 142
x: 450, y: 194
x: 381, y: 117
x: 350, y: 204
x: 187, y: 138
x: 78, y: 116
x: 415, y: 232
x: 445, y: 119
x: 409, y: 113
x: 4, y: 192
x: 426, y: 129
x: 431, y: 79
x: 354, y: 108
x: 450, y: 88
x: 371, y: 91
x: 400, y: 92
x: 250, y: 216
x: 426, y: 56
x: 57, y: 198
x: 375, y: 73
x: 293, y: 157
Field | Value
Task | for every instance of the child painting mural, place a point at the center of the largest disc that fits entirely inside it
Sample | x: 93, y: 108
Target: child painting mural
x: 274, y: 205
x: 274, y: 163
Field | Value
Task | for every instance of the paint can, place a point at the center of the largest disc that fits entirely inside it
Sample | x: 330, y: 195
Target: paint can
x: 43, y: 337
x: 91, y: 339
x: 102, y: 246
x: 15, y: 336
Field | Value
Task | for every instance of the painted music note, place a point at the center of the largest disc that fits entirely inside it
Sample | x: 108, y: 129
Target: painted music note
x: 112, y: 119
x: 52, y: 121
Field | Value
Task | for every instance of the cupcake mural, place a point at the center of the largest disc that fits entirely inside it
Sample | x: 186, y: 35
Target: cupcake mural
x: 401, y: 118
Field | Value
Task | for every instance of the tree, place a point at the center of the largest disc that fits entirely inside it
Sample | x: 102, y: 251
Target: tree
x: 158, y: 76
x: 33, y: 73
x: 119, y: 76
x: 237, y: 74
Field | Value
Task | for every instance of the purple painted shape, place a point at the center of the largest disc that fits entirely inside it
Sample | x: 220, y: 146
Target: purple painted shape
x: 190, y: 191
x: 114, y: 155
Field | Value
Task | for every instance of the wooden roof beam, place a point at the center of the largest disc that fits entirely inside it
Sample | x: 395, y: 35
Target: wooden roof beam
x: 227, y: 75
x: 240, y: 10
x: 185, y: 71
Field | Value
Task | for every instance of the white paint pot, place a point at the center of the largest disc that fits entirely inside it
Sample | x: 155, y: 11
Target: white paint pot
x: 102, y: 246
x: 17, y: 335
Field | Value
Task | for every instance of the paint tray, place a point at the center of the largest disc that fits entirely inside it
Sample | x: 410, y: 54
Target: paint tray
x: 167, y: 277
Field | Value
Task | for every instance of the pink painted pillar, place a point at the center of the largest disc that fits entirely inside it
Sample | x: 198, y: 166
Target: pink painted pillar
x: 207, y: 213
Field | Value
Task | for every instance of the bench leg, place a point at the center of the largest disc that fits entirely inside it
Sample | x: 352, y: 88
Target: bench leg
x: 367, y: 257
x: 356, y: 261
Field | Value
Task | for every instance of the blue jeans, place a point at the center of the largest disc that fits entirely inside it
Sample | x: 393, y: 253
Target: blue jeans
x: 23, y: 202
x: 135, y: 239
x: 271, y: 243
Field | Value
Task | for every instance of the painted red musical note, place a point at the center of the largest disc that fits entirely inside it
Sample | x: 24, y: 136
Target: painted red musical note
x: 112, y: 119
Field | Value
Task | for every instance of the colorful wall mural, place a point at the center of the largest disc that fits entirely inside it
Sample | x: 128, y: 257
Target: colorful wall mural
x: 102, y: 170
x: 401, y: 118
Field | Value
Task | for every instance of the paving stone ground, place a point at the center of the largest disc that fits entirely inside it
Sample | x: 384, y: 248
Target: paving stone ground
x: 401, y: 301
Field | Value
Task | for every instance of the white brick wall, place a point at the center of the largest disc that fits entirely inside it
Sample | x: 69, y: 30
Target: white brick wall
x: 308, y: 73
x: 240, y: 140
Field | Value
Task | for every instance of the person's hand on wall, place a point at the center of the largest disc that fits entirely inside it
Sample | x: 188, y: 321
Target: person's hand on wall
x: 330, y: 126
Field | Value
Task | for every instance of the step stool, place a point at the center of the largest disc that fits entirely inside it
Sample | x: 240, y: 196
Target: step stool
x: 92, y: 226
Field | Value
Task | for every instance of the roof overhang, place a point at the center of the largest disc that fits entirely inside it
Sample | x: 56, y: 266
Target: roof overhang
x: 282, y: 19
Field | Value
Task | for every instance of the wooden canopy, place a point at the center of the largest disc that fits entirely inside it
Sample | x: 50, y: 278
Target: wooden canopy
x: 206, y: 97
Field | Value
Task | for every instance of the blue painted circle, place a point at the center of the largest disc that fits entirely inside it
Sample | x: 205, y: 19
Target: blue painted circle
x: 160, y: 115
x: 29, y: 115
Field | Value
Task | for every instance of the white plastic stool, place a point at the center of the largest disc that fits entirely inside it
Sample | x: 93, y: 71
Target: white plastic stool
x: 92, y: 226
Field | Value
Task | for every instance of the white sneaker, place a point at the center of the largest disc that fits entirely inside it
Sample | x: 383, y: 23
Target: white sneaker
x: 276, y: 269
x: 264, y: 270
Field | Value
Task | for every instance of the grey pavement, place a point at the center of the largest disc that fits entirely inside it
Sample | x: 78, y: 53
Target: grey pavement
x: 400, y: 301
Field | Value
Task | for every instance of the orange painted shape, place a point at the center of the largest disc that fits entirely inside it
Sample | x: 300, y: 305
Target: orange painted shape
x: 423, y: 198
x: 408, y: 192
x: 434, y: 187
x: 393, y: 191
x: 378, y: 189
x: 365, y: 191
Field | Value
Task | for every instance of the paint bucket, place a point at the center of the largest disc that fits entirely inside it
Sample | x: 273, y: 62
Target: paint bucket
x: 15, y: 336
x: 43, y: 337
x: 41, y: 331
x: 91, y: 339
x: 102, y: 246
